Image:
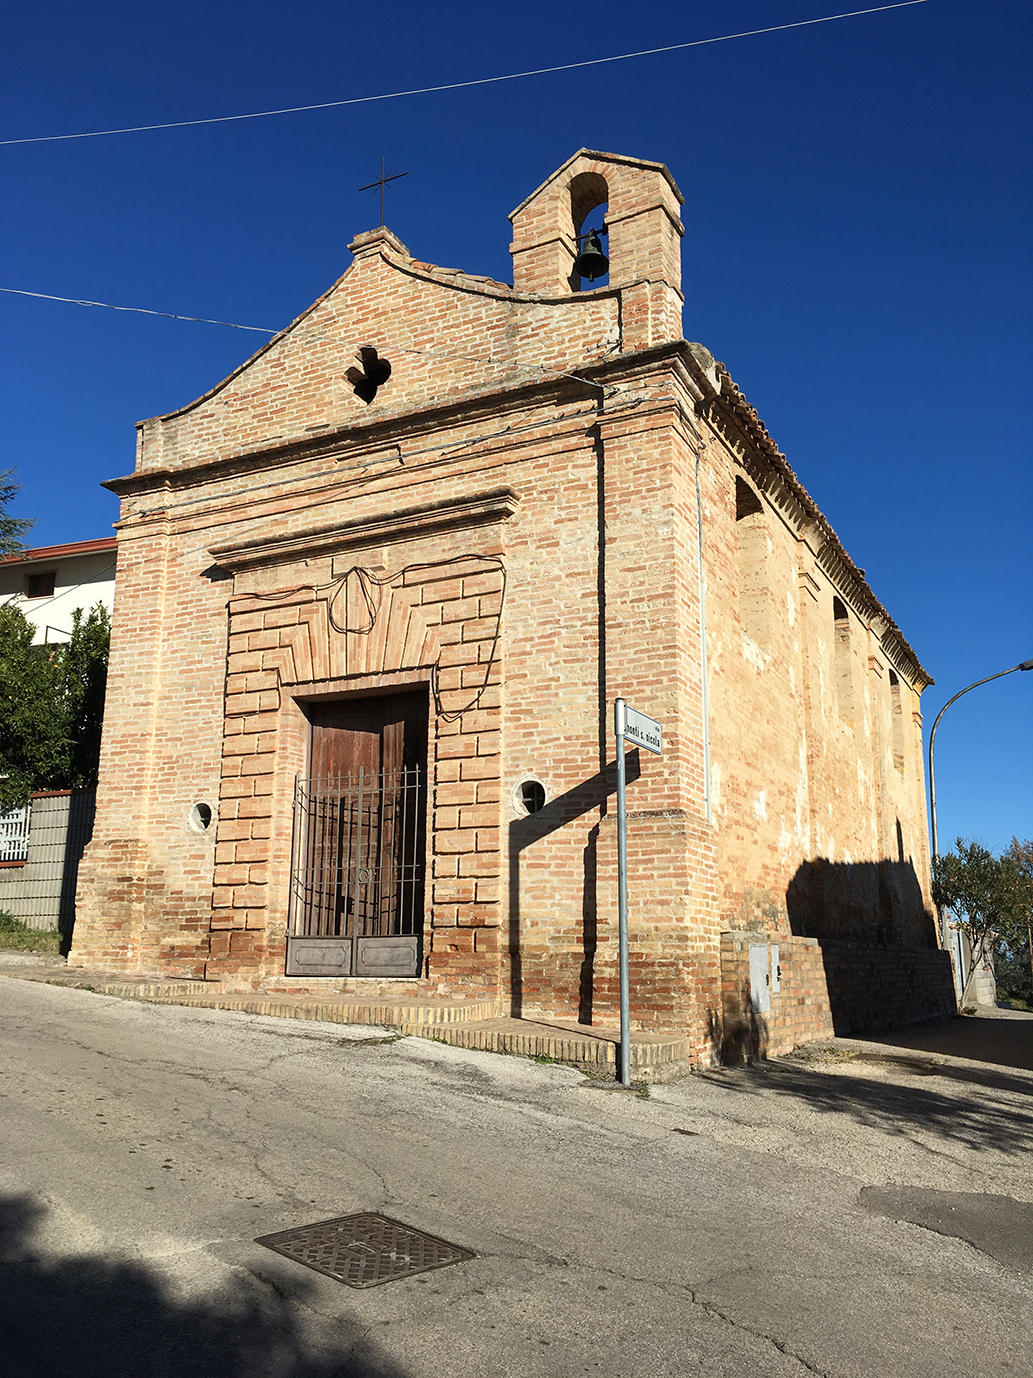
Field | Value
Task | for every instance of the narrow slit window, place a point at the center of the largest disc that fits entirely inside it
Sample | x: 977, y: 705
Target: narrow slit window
x: 897, y: 721
x: 842, y: 661
x: 751, y: 538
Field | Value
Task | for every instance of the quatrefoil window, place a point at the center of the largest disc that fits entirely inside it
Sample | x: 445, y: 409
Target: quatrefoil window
x: 373, y: 374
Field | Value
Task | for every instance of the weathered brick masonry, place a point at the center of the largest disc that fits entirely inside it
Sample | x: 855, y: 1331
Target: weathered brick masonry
x: 510, y: 526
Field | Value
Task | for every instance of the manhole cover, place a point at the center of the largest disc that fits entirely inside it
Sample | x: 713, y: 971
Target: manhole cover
x: 365, y: 1250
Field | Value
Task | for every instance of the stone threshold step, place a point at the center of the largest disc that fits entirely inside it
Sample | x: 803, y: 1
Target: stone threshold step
x: 654, y: 1057
x: 328, y: 1009
x: 475, y: 1024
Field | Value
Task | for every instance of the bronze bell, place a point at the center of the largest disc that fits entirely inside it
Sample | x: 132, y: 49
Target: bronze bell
x: 591, y: 262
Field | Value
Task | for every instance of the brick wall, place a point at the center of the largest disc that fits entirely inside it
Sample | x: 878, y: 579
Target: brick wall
x: 799, y: 1010
x: 876, y: 987
x: 828, y: 987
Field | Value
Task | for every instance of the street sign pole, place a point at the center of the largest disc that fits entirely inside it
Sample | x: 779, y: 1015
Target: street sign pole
x: 644, y: 732
x: 619, y: 722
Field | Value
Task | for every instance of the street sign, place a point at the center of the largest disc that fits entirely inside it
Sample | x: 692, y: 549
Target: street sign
x: 643, y: 731
x: 628, y: 726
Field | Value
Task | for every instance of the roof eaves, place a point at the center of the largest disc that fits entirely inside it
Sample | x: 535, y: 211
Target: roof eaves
x: 60, y: 552
x: 750, y: 422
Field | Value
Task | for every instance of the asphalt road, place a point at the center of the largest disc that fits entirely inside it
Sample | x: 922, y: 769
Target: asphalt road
x: 831, y: 1215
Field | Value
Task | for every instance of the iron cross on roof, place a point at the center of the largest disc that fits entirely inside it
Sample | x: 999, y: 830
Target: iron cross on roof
x: 382, y: 182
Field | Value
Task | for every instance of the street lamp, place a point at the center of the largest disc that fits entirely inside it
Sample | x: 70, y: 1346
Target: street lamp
x: 1026, y: 665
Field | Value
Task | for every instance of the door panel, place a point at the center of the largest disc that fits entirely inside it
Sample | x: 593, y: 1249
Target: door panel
x: 360, y: 824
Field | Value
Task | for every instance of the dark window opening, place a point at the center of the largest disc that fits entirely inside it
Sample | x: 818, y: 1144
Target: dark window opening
x: 532, y: 795
x: 42, y: 585
x: 747, y: 504
x: 374, y: 374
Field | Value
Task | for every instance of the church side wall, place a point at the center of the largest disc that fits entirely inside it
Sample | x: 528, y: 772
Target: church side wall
x: 819, y: 794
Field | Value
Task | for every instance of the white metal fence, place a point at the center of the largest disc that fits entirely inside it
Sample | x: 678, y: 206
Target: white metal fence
x: 14, y: 833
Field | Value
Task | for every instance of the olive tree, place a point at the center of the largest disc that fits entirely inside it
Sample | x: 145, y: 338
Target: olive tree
x: 985, y: 893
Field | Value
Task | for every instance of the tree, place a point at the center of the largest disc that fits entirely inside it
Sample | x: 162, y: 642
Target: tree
x: 11, y: 528
x: 986, y: 895
x: 51, y: 705
x: 1017, y: 978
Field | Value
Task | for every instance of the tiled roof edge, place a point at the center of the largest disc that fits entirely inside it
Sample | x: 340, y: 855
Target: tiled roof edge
x: 59, y: 552
x: 746, y: 416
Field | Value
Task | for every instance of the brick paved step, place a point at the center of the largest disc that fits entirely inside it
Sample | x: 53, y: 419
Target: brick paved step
x: 460, y: 1023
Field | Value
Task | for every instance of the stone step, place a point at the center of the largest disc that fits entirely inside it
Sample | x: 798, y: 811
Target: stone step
x: 654, y: 1057
x: 460, y: 1023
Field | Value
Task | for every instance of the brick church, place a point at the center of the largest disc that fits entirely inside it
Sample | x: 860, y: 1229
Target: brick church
x: 376, y: 593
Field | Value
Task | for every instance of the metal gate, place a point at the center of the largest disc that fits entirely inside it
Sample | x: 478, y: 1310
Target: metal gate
x: 356, y: 903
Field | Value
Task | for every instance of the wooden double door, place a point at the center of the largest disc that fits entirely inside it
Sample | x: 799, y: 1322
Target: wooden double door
x: 357, y: 891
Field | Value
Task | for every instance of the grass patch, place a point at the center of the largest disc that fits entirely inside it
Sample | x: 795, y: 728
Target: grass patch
x: 812, y: 1054
x: 1015, y: 1002
x: 17, y: 935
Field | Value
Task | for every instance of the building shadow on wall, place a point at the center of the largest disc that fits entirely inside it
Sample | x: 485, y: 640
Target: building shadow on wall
x: 738, y: 1033
x: 592, y: 793
x: 81, y: 810
x: 883, y: 965
x: 861, y: 901
x: 85, y: 1316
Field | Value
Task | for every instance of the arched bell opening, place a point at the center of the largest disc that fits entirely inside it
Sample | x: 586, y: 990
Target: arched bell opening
x: 589, y: 202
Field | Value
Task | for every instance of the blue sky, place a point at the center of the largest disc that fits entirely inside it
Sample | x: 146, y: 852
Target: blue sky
x: 857, y: 252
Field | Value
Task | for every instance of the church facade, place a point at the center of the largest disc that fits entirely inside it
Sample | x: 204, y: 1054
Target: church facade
x: 376, y: 594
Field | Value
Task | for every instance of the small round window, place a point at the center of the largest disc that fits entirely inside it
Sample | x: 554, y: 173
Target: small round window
x: 532, y: 795
x: 201, y: 816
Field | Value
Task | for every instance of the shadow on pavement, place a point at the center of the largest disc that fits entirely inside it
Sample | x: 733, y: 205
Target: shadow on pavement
x: 902, y: 1111
x: 88, y: 1317
x: 996, y: 1225
x: 987, y: 1076
x: 1006, y: 1042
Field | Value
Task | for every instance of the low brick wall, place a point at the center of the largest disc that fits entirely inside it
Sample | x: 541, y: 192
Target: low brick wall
x: 872, y: 987
x: 827, y: 987
x: 799, y: 1010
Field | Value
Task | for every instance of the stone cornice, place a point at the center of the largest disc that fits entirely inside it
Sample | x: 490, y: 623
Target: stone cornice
x: 746, y: 435
x: 357, y: 440
x: 408, y: 524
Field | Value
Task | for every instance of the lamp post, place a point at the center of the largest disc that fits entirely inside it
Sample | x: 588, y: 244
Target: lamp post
x: 1025, y: 665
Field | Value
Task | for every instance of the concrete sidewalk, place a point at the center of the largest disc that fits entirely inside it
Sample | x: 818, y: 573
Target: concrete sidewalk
x: 1000, y: 1036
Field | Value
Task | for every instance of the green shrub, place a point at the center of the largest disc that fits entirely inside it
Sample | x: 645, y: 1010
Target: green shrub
x: 15, y: 934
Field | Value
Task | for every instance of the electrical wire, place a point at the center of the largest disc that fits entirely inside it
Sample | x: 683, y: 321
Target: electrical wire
x: 141, y: 310
x: 462, y: 85
x: 367, y: 579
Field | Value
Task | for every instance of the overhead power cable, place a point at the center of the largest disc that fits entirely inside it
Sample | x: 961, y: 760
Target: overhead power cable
x: 140, y: 310
x: 462, y: 85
